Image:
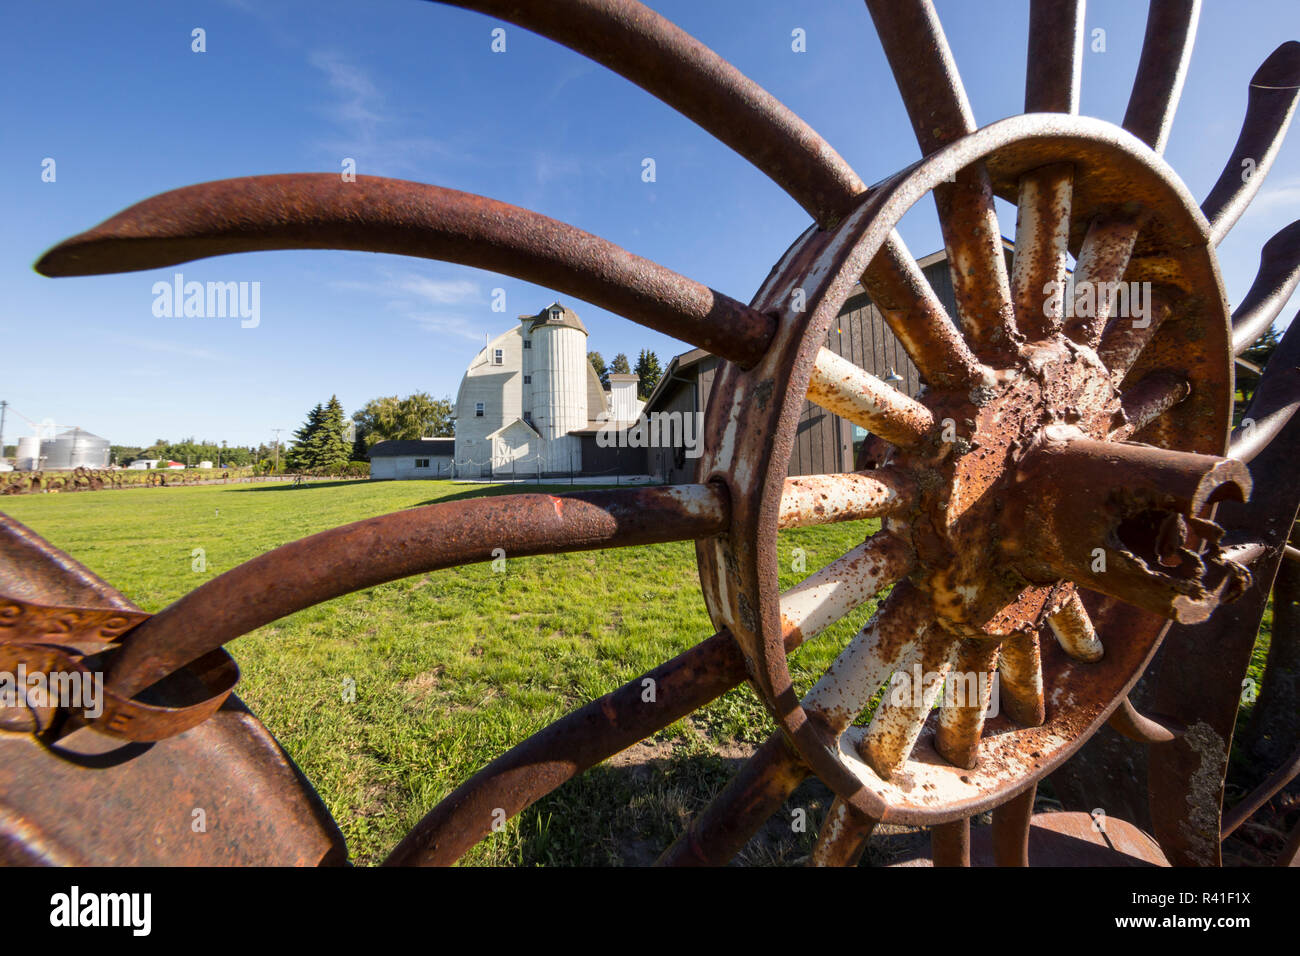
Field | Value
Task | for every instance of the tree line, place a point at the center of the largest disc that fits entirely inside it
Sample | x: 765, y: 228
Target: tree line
x: 647, y: 369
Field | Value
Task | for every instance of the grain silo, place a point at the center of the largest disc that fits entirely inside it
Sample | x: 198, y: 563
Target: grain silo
x: 75, y: 448
x: 560, y: 381
x: 28, y: 457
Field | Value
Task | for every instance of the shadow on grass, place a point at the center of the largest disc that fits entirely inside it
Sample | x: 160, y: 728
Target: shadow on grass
x: 627, y: 815
x: 288, y: 485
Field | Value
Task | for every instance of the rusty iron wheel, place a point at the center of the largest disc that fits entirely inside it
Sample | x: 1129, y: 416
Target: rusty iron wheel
x: 1048, y: 500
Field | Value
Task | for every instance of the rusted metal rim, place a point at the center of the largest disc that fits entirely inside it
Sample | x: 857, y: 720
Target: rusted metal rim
x: 754, y: 414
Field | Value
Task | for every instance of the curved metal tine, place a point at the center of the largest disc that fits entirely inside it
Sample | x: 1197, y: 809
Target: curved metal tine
x: 1275, y: 400
x: 771, y: 775
x: 602, y: 728
x: 1278, y: 275
x: 1055, y: 60
x: 632, y: 40
x: 567, y: 748
x: 843, y: 836
x: 899, y: 289
x: 372, y: 214
x: 1041, y: 258
x: 748, y: 800
x: 936, y: 102
x: 1162, y: 68
x: 966, y: 703
x: 1270, y: 104
x: 418, y: 540
x: 664, y: 60
x: 1108, y: 244
x: 840, y: 386
x: 1147, y: 400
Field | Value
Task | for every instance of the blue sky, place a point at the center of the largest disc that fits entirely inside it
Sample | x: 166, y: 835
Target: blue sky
x: 114, y: 94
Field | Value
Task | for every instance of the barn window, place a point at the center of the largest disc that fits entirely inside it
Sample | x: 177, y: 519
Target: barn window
x: 421, y: 463
x: 498, y: 356
x: 528, y: 380
x: 528, y: 343
x: 478, y: 409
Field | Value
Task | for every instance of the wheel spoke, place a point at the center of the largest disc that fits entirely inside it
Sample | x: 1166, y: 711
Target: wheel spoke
x: 900, y: 717
x: 1102, y: 262
x: 1278, y: 275
x: 872, y: 656
x: 1074, y: 631
x: 1146, y: 401
x: 936, y: 102
x: 843, y: 836
x: 1270, y: 104
x: 320, y: 211
x: 1127, y: 335
x: 1042, y: 250
x: 1020, y: 680
x: 841, y: 387
x: 823, y: 499
x: 1162, y: 67
x: 961, y: 718
x: 915, y: 315
x: 1055, y: 58
x: 844, y: 585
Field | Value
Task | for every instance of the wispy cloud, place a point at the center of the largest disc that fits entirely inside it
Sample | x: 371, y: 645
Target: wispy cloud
x: 368, y: 127
x: 168, y: 348
x: 441, y: 306
x: 1275, y: 197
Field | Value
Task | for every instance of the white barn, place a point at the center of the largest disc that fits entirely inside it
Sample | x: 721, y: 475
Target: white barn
x: 415, y: 458
x: 530, y: 396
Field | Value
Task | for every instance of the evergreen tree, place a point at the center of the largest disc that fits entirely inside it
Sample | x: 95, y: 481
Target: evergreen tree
x: 620, y: 365
x: 647, y: 367
x: 299, y: 455
x: 598, y: 363
x: 330, y: 445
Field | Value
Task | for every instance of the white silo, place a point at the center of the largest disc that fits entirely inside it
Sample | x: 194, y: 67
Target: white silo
x: 559, y: 384
x: 28, y: 457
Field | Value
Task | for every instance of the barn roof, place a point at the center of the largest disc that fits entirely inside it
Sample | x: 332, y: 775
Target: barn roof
x: 413, y: 446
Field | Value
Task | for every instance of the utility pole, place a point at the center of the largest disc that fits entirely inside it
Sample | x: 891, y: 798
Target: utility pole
x: 277, y: 449
x: 4, y: 407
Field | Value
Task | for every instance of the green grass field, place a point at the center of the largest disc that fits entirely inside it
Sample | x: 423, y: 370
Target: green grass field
x: 453, y: 668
